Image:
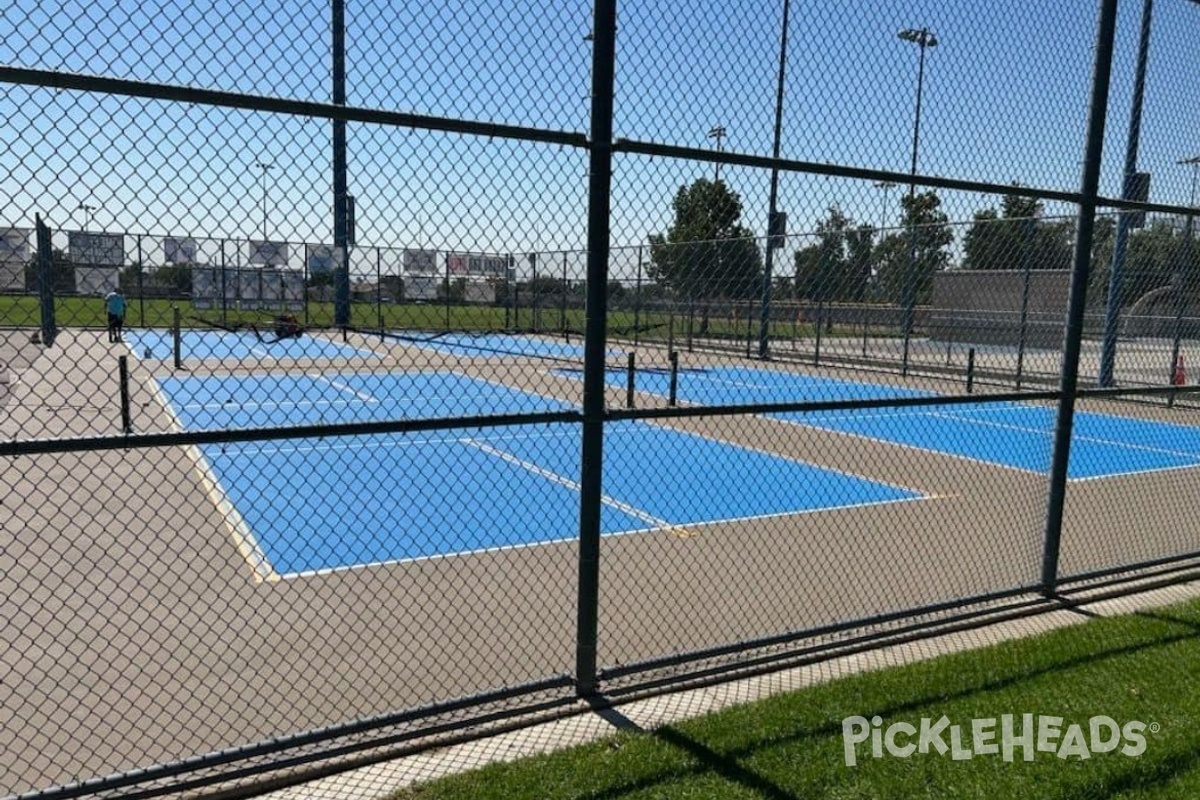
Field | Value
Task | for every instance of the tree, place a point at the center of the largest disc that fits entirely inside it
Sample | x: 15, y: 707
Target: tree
x: 1154, y: 256
x: 175, y: 277
x: 903, y: 278
x: 61, y: 268
x: 838, y: 267
x: 706, y: 253
x: 1017, y: 238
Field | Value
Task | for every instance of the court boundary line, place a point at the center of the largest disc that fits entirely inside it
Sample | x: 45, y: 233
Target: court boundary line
x: 657, y: 424
x: 251, y: 550
x: 575, y: 486
x: 1131, y: 473
x: 984, y: 423
x: 239, y: 530
x: 1075, y: 436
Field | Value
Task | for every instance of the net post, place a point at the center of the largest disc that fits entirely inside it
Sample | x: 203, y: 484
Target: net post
x: 176, y: 338
x: 630, y: 379
x: 673, y: 388
x: 749, y: 328
x: 817, y: 344
x: 123, y: 373
x: 971, y: 370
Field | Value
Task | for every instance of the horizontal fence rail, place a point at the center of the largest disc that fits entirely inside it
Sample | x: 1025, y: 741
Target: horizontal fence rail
x: 362, y: 392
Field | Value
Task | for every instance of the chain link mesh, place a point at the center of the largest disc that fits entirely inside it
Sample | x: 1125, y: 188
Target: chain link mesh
x: 293, y: 398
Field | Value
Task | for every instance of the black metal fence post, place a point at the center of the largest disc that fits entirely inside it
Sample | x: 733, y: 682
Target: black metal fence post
x: 1027, y: 265
x: 1077, y: 297
x: 123, y: 376
x: 599, y: 196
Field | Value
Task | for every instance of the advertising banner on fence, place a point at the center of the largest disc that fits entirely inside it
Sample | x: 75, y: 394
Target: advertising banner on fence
x: 273, y: 254
x: 96, y: 249
x: 322, y: 259
x: 420, y: 262
x: 179, y: 250
x: 421, y: 287
x: 14, y: 245
x: 478, y: 265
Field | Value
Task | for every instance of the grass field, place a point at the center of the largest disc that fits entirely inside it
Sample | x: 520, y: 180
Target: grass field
x: 88, y: 312
x: 1141, y: 667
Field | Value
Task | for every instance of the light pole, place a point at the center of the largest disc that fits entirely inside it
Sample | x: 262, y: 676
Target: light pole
x: 264, y: 166
x: 1183, y: 265
x: 88, y: 210
x: 1194, y: 162
x: 1112, y: 310
x: 924, y: 39
x: 717, y: 132
x: 774, y: 229
x: 885, y: 187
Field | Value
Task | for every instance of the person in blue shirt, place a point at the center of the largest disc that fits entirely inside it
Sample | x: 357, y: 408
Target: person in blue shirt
x: 114, y: 304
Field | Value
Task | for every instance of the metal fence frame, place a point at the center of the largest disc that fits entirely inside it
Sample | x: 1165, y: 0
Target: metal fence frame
x: 593, y: 684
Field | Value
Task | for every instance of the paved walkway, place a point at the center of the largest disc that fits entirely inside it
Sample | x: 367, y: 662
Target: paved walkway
x: 378, y: 781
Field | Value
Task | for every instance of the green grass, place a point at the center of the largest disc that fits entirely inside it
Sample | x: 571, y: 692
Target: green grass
x: 1144, y: 667
x: 88, y: 312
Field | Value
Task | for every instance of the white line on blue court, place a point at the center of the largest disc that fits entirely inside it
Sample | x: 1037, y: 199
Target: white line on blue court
x: 366, y: 398
x: 244, y: 540
x: 554, y: 477
x: 818, y: 427
x: 824, y: 467
x: 1077, y: 437
x: 268, y: 404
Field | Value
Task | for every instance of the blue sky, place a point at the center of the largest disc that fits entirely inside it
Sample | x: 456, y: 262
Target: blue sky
x: 1006, y: 99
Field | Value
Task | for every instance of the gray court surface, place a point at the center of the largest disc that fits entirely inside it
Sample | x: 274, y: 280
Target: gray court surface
x: 136, y: 633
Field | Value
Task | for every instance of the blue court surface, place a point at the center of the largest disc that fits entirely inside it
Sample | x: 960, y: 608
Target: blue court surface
x: 497, y: 345
x: 301, y: 506
x: 239, y: 345
x: 1006, y: 434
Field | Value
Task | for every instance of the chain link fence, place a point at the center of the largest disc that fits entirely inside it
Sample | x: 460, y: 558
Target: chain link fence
x: 378, y: 376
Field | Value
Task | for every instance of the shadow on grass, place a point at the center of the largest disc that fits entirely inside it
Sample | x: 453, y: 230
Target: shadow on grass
x: 726, y: 763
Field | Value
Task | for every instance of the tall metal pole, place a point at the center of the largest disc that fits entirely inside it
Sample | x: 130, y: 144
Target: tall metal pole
x: 1112, y: 311
x: 599, y: 198
x: 924, y: 39
x: 717, y: 132
x: 886, y: 186
x: 1183, y: 265
x: 341, y: 271
x: 1077, y: 297
x: 264, y: 166
x: 769, y: 259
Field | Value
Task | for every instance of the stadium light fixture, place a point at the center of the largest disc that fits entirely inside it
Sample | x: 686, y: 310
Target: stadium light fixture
x: 88, y: 210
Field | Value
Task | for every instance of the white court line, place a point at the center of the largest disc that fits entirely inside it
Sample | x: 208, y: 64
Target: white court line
x: 268, y: 404
x: 554, y: 477
x: 366, y: 398
x: 239, y: 530
x: 1075, y: 437
x: 1151, y: 471
x: 329, y: 445
x: 877, y: 440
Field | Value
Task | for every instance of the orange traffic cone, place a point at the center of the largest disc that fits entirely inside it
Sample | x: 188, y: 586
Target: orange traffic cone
x: 1179, y: 378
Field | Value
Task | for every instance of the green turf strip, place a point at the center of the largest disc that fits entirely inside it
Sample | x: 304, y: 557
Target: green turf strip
x: 1144, y: 667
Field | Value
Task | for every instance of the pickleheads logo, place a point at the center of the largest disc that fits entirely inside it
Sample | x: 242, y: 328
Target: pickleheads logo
x: 1005, y: 736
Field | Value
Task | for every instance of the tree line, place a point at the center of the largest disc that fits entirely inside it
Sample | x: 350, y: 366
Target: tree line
x: 707, y: 253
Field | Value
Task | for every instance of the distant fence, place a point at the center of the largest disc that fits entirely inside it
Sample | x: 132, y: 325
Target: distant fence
x: 597, y: 390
